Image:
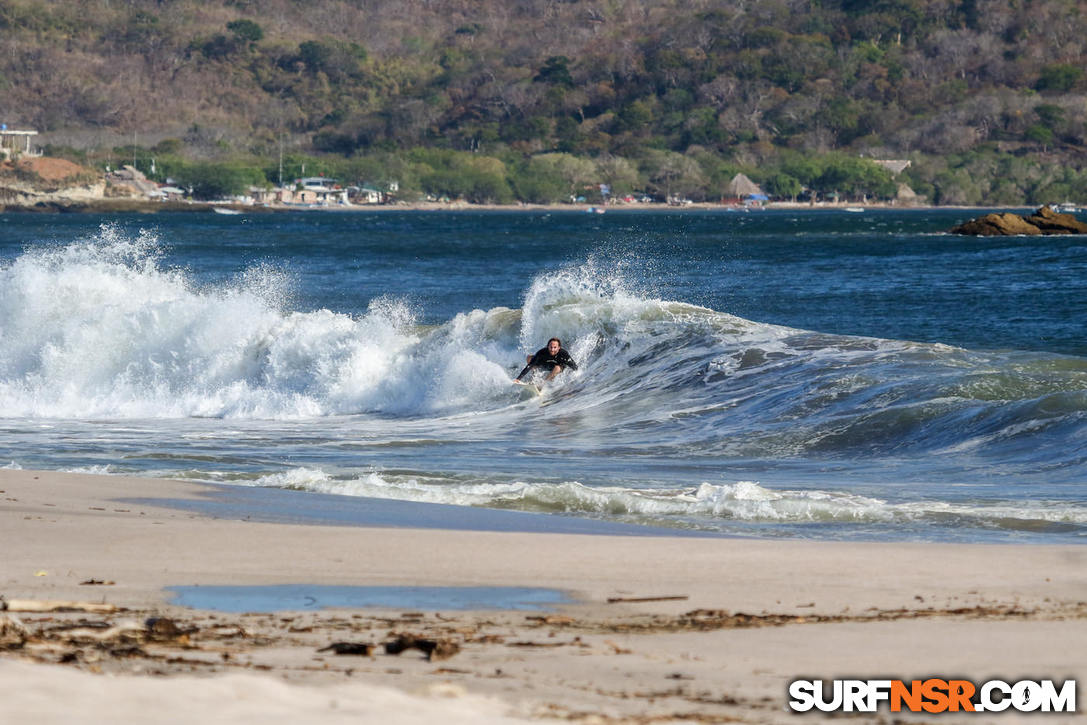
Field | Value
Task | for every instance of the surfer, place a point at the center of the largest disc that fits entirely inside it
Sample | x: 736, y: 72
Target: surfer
x: 552, y: 359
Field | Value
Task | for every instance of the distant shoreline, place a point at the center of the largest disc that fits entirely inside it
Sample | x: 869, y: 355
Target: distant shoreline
x: 139, y: 206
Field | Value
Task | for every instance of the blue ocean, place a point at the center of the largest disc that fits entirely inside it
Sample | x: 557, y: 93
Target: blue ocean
x: 808, y: 374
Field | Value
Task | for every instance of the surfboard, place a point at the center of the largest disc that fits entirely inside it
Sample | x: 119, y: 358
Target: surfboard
x: 527, y: 390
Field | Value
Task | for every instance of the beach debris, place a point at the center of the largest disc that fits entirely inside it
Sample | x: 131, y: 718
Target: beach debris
x: 434, y: 649
x: 96, y: 583
x: 46, y: 605
x: 575, y: 642
x: 670, y: 598
x: 41, y: 572
x: 228, y: 631
x: 553, y: 619
x: 164, y: 629
x: 13, y: 633
x: 121, y: 635
x: 364, y: 649
x: 616, y: 649
x: 450, y: 671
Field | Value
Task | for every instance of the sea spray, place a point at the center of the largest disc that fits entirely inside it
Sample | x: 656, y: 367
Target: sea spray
x: 100, y: 329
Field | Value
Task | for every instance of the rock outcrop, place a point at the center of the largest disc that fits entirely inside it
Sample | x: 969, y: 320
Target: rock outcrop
x: 1051, y: 222
x: 1043, y: 221
x: 42, y: 180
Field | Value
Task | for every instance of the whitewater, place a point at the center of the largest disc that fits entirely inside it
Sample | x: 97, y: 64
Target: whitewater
x: 128, y: 350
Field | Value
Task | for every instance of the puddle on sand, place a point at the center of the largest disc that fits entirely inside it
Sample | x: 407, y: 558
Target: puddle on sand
x: 293, y: 597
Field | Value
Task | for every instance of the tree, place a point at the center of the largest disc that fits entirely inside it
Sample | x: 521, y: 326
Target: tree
x: 463, y: 175
x: 219, y: 180
x: 675, y: 175
x: 576, y: 173
x: 218, y: 47
x: 1039, y: 134
x: 1050, y: 115
x: 1058, y: 77
x: 539, y: 183
x: 555, y: 70
x: 783, y: 186
x: 338, y: 60
x: 246, y: 30
x: 855, y: 177
x: 618, y: 173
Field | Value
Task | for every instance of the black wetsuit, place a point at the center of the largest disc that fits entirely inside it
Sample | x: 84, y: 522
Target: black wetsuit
x: 546, y: 361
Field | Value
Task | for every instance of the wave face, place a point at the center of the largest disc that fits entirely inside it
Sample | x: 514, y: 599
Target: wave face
x: 666, y: 392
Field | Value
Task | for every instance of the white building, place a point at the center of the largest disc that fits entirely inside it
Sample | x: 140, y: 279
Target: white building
x: 14, y: 144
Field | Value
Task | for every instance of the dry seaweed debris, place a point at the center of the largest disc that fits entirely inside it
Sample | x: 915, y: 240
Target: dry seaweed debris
x: 13, y: 633
x: 434, y: 649
x: 363, y: 649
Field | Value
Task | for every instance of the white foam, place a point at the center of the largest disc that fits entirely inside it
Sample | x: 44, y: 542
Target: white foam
x: 742, y: 501
x: 99, y: 329
x: 102, y: 329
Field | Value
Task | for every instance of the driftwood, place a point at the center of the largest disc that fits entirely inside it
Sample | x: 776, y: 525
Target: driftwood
x: 47, y: 605
x: 677, y: 598
x: 124, y: 633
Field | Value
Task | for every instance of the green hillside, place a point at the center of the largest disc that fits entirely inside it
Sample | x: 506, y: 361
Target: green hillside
x: 538, y: 99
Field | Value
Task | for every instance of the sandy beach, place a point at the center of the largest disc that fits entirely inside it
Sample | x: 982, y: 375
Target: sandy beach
x: 722, y: 626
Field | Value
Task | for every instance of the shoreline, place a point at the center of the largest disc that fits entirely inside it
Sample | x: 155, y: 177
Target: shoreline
x: 139, y: 206
x: 704, y: 629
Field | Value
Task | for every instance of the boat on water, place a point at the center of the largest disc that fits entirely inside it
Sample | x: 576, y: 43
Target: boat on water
x: 1066, y: 208
x: 225, y: 210
x: 854, y: 209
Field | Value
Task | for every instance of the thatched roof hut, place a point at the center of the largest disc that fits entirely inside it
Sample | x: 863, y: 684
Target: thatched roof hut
x: 907, y: 196
x: 741, y: 187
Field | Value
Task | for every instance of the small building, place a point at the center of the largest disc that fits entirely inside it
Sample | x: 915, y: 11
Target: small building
x: 318, y: 190
x: 271, y: 196
x: 905, y: 196
x: 172, y: 193
x: 741, y: 187
x: 14, y: 143
x: 367, y: 195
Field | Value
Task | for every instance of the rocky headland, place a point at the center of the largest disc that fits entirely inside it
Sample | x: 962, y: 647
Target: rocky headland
x: 51, y: 183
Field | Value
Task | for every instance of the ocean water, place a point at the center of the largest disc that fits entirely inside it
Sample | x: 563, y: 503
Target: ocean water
x: 804, y: 374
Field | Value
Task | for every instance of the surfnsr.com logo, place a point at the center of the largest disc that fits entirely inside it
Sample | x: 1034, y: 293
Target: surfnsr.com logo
x: 932, y: 695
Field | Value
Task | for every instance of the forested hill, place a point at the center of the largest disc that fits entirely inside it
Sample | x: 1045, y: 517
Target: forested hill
x: 988, y: 97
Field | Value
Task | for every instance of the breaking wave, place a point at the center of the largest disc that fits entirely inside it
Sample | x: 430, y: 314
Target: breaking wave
x: 103, y: 329
x: 706, y: 506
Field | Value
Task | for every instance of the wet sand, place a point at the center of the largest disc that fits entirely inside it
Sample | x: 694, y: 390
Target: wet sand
x: 658, y: 628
